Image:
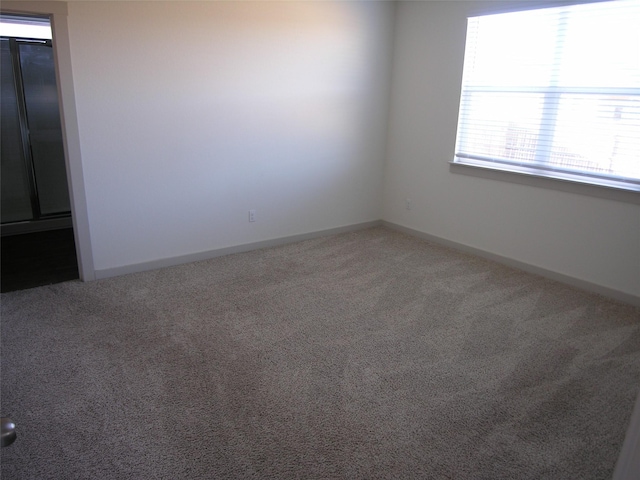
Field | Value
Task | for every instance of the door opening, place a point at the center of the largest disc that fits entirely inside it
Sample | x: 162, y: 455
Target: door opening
x: 35, y: 192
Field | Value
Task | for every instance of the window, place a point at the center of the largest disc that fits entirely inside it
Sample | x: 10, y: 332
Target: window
x: 554, y: 92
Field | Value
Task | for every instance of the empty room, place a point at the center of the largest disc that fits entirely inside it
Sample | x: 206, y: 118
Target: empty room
x: 324, y: 239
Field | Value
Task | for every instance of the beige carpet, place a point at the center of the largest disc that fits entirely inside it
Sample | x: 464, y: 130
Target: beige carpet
x: 363, y: 355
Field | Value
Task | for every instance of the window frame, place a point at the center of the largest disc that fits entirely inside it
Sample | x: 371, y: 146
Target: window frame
x: 510, y: 169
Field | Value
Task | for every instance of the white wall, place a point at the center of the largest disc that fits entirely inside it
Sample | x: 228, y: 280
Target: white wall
x: 583, y: 233
x: 192, y: 113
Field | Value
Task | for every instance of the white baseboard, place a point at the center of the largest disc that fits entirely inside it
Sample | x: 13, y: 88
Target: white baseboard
x: 543, y: 272
x: 196, y: 257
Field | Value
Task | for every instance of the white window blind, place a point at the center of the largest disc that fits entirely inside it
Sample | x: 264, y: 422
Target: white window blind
x: 554, y: 92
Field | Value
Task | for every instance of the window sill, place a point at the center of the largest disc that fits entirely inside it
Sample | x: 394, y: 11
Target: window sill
x: 535, y: 179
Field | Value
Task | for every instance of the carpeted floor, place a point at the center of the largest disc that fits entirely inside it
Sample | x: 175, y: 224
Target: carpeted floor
x: 363, y: 355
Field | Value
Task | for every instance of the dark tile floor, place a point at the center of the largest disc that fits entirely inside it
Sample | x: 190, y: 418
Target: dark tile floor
x: 35, y: 259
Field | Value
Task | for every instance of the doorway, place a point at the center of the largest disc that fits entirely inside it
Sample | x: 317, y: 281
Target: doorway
x: 37, y: 243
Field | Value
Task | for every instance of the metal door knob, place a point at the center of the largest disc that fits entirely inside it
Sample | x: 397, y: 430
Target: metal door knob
x: 8, y: 431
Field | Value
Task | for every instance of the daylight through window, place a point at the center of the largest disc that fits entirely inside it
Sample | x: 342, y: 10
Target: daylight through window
x: 554, y: 92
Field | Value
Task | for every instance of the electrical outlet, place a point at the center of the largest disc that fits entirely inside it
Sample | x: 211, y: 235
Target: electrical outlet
x: 252, y: 215
x: 407, y: 203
